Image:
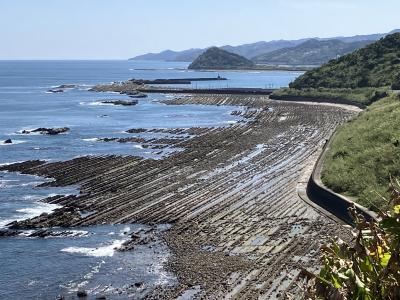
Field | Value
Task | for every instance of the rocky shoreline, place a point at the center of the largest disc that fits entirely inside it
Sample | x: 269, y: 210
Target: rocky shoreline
x: 239, y: 228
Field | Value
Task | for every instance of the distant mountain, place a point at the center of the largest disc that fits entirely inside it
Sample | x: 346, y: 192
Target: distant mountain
x: 216, y: 58
x: 169, y: 55
x: 246, y: 50
x: 376, y: 65
x: 251, y: 50
x: 311, y: 52
x: 360, y: 38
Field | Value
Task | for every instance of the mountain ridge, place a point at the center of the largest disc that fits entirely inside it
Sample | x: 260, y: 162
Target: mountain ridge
x: 250, y: 50
x: 312, y: 52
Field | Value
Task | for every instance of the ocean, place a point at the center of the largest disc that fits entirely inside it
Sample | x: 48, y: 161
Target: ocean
x: 42, y: 268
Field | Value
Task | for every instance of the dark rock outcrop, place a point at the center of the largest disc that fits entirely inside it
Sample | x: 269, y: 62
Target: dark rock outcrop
x: 8, y: 233
x: 66, y: 86
x: 123, y: 140
x: 81, y: 294
x: 136, y: 130
x: 61, y: 217
x: 137, y: 239
x: 55, y: 91
x: 137, y: 95
x: 8, y: 141
x: 49, y: 131
x: 121, y: 102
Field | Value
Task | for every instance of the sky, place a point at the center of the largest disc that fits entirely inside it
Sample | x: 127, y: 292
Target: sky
x: 119, y: 29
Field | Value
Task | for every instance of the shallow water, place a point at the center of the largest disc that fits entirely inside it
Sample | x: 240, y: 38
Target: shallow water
x: 19, y: 197
x: 36, y: 268
x: 33, y: 268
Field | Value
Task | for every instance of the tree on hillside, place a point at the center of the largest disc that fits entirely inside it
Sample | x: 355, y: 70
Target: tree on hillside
x: 396, y: 82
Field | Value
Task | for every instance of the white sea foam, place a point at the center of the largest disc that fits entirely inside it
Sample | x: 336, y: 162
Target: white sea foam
x: 103, y: 251
x: 124, y: 231
x: 26, y: 232
x: 7, y: 183
x: 32, y: 183
x: 41, y: 208
x: 31, y: 197
x: 4, y: 222
x: 96, y: 103
x: 90, y: 140
x: 10, y: 163
x: 138, y: 146
x: 30, y: 212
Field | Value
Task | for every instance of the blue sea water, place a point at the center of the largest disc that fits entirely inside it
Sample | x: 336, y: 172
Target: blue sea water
x: 33, y: 268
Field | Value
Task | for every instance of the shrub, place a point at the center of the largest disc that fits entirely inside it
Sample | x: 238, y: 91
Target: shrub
x: 367, y: 270
x: 396, y: 82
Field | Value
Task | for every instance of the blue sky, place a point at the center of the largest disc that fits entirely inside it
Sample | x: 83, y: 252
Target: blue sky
x: 118, y: 29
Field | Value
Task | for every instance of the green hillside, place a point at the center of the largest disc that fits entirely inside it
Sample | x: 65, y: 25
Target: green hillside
x: 216, y: 58
x: 376, y: 65
x: 311, y: 52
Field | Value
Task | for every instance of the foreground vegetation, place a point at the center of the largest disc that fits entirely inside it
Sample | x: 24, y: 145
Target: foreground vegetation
x: 360, y: 96
x: 365, y: 153
x: 376, y: 65
x: 369, y: 269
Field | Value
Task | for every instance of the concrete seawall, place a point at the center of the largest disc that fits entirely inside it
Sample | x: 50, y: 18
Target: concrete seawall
x: 228, y: 91
x: 319, y: 99
x: 335, y: 203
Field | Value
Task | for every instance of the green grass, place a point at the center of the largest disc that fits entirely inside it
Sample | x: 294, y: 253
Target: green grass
x: 361, y: 96
x: 364, y: 153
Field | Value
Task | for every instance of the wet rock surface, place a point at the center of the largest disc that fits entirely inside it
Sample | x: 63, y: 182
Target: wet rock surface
x: 240, y: 229
x: 126, y: 87
x: 8, y: 233
x: 66, y: 86
x: 81, y: 294
x: 61, y: 217
x: 55, y: 91
x: 49, y: 131
x: 121, y: 102
x: 123, y: 140
x: 141, y: 238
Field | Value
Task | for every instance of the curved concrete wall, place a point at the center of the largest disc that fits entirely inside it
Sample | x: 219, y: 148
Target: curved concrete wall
x: 317, y: 99
x: 335, y: 203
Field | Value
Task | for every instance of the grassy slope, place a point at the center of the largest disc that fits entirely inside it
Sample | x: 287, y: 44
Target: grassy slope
x: 365, y: 152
